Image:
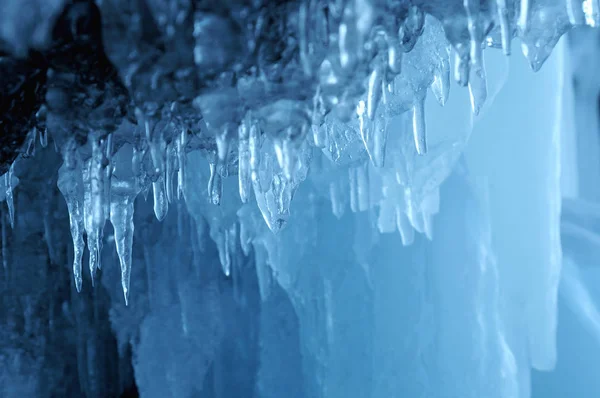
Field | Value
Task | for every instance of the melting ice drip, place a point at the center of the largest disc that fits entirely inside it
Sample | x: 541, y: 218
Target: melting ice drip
x: 321, y: 111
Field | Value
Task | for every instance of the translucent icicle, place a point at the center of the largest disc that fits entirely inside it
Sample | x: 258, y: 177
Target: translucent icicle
x: 224, y: 255
x: 30, y: 150
x: 170, y: 170
x: 214, y: 185
x: 181, y: 160
x: 441, y: 82
x: 161, y: 204
x: 245, y: 237
x: 380, y: 133
x: 374, y: 91
x: 121, y: 217
x: 419, y: 129
x: 303, y: 18
x: 591, y: 12
x: 472, y: 10
x: 244, y: 168
x: 319, y: 135
x: 8, y: 177
x: 477, y: 88
x: 108, y: 170
x: 289, y: 152
x: 95, y: 203
x: 97, y: 174
x: 575, y: 12
x: 394, y: 56
x: 523, y: 20
x: 254, y: 148
x: 505, y: 31
x: 71, y: 186
x: 223, y: 140
x: 461, y: 69
x: 157, y: 153
x: 44, y: 138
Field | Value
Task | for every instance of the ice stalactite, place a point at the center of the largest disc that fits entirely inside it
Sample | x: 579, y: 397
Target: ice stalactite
x: 8, y: 177
x: 95, y: 201
x: 70, y: 183
x: 124, y: 189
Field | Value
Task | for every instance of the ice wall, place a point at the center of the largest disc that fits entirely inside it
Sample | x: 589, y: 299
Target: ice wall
x: 363, y: 201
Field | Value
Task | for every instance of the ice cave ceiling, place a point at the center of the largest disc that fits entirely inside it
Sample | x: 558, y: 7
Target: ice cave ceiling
x: 302, y: 198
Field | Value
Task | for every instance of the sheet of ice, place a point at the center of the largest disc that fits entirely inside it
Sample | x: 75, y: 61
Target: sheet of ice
x: 527, y: 247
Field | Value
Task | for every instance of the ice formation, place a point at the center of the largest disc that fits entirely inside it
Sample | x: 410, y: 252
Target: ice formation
x: 415, y: 238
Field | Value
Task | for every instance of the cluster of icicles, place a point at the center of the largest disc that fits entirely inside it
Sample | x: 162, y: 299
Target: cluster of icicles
x: 272, y: 148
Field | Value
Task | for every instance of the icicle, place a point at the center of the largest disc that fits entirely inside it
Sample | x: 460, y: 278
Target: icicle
x: 161, y: 204
x: 44, y: 138
x: 71, y: 186
x: 95, y: 202
x: 121, y: 217
x: 477, y: 83
x: 472, y: 10
x: 524, y: 16
x: 224, y: 255
x: 289, y: 153
x: 8, y: 177
x: 223, y: 140
x: 214, y: 185
x: 575, y: 11
x: 592, y: 12
x: 362, y: 126
x: 419, y: 132
x: 394, y: 56
x: 319, y: 135
x: 245, y: 237
x: 97, y: 174
x: 441, y: 82
x: 108, y: 170
x: 505, y: 31
x: 461, y: 69
x: 30, y: 150
x: 244, y: 169
x: 303, y: 18
x: 181, y: 159
x: 254, y: 149
x: 380, y: 133
x: 169, y: 172
x: 374, y: 90
x: 412, y: 28
x: 477, y: 88
x: 157, y: 147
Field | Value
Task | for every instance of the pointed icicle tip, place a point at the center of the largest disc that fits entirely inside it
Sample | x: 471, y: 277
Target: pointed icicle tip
x: 121, y: 217
x: 478, y: 88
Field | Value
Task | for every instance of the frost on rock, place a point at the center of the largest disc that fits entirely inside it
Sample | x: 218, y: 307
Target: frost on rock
x: 340, y: 162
